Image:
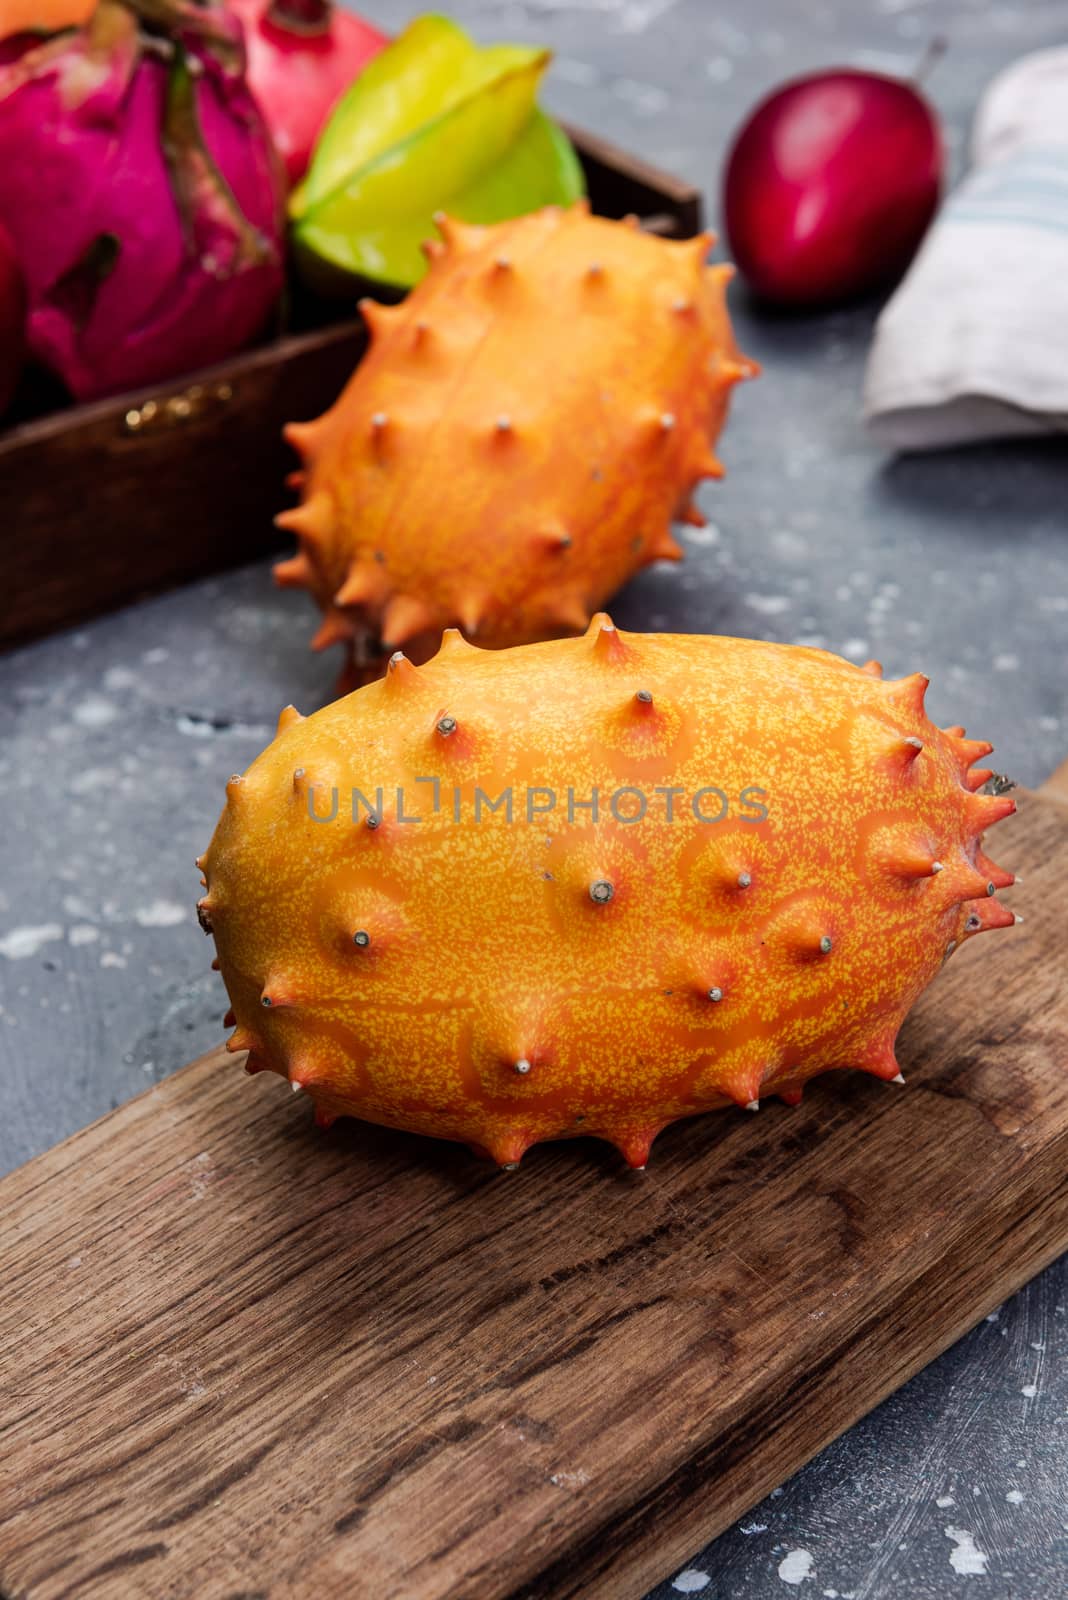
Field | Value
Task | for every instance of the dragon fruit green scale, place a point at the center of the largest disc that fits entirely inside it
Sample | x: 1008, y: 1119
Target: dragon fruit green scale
x: 785, y: 851
x: 518, y: 438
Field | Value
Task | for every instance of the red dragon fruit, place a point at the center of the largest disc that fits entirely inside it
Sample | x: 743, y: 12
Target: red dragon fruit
x: 12, y: 321
x: 140, y: 187
x: 302, y: 56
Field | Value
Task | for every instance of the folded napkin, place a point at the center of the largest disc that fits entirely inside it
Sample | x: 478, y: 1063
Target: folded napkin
x: 974, y: 343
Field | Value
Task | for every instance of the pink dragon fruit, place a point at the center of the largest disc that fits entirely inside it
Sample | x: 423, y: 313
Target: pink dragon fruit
x: 140, y: 186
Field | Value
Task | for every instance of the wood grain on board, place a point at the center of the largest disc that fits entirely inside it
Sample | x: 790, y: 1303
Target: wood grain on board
x: 240, y: 1357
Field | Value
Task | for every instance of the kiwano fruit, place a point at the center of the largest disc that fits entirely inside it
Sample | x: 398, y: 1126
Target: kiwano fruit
x: 592, y: 885
x: 517, y: 439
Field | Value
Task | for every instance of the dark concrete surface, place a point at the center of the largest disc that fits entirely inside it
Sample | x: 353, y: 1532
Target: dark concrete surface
x: 115, y: 743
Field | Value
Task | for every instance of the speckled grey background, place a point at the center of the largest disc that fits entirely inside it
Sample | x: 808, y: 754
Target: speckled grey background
x: 115, y: 743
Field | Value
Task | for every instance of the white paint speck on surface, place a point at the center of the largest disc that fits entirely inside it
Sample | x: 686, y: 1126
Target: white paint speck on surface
x: 691, y: 1581
x: 117, y: 678
x: 201, y: 1175
x: 570, y: 1480
x: 965, y: 1558
x: 111, y: 958
x: 789, y: 544
x: 1029, y: 1390
x: 769, y: 605
x: 708, y: 535
x: 83, y: 933
x: 21, y: 943
x: 95, y: 712
x: 944, y: 1502
x: 856, y: 649
x: 1015, y: 1497
x: 755, y: 1527
x: 160, y: 914
x: 796, y: 1566
x: 194, y: 728
x: 636, y: 15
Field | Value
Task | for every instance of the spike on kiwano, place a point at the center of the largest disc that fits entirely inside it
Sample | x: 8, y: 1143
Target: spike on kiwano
x: 785, y: 851
x: 519, y: 436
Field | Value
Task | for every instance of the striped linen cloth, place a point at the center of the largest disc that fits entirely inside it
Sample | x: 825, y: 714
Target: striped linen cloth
x: 974, y: 343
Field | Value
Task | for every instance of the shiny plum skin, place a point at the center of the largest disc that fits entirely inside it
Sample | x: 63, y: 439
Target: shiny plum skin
x: 830, y: 186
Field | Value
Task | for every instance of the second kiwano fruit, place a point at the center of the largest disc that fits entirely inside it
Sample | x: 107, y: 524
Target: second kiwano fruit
x: 784, y: 851
x: 518, y: 438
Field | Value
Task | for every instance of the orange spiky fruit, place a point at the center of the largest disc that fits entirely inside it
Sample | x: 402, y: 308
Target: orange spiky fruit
x: 518, y: 437
x: 650, y: 875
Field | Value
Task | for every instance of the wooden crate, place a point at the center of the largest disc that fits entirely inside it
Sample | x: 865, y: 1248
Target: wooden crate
x: 107, y: 502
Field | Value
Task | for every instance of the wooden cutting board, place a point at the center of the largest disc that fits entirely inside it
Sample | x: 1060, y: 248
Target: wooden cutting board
x: 241, y: 1358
